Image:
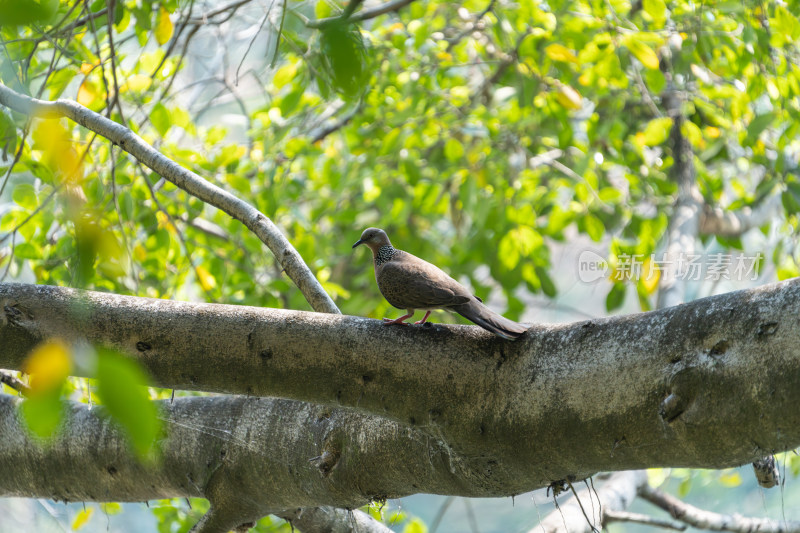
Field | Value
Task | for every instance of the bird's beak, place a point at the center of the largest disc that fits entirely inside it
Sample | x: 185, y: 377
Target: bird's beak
x: 359, y: 241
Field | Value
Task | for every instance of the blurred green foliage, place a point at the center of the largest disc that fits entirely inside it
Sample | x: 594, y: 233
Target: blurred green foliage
x: 454, y: 123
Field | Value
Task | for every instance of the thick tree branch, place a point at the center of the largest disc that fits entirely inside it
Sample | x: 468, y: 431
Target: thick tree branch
x: 185, y: 179
x: 711, y: 383
x: 248, y: 456
x: 702, y: 519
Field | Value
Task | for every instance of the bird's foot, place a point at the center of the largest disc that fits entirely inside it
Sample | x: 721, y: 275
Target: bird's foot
x: 387, y: 321
x: 423, y: 318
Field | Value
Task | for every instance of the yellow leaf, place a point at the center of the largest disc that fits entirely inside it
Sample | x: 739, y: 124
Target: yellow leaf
x: 86, y: 93
x: 164, y: 222
x: 569, y: 97
x: 56, y: 142
x: 164, y: 27
x: 112, y: 507
x: 650, y: 275
x: 48, y: 365
x: 730, y: 479
x: 459, y: 95
x: 559, y: 52
x: 692, y: 132
x: 642, y: 52
x: 137, y: 83
x: 284, y: 75
x: 205, y: 278
x: 657, y: 476
x: 139, y: 252
x: 86, y: 68
x: 82, y: 518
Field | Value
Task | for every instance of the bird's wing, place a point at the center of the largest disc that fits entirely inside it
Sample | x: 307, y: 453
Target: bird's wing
x: 411, y: 283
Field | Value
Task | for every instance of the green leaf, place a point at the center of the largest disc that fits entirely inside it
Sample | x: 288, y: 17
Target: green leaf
x: 453, y: 149
x: 786, y: 24
x: 284, y: 75
x: 43, y: 413
x: 594, y: 227
x: 616, y: 296
x: 25, y: 196
x: 790, y: 202
x: 121, y: 386
x: 27, y: 250
x: 323, y: 9
x: 26, y: 12
x: 758, y: 125
x: 657, y: 131
x: 641, y: 51
x: 159, y: 117
x: 345, y: 59
x: 415, y: 526
x: 657, y: 9
x: 548, y: 287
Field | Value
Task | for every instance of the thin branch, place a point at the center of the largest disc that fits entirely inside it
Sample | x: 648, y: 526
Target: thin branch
x: 636, y: 518
x: 32, y: 214
x: 13, y: 382
x: 80, y: 22
x: 441, y: 512
x: 257, y: 222
x: 228, y: 9
x: 726, y: 223
x: 477, y: 24
x: 207, y: 227
x: 366, y: 14
x: 703, y: 519
x: 320, y: 133
x: 17, y: 156
x: 250, y: 44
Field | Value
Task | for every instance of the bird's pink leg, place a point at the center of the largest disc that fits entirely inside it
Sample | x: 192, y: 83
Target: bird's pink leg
x: 427, y: 314
x: 400, y: 320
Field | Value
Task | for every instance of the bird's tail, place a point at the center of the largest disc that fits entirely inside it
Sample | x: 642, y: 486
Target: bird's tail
x: 489, y: 320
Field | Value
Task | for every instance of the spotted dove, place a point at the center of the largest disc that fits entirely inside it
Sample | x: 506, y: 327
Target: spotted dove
x: 407, y: 282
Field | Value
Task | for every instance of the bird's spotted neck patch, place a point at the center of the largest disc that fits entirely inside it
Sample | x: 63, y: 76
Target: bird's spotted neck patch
x: 385, y: 253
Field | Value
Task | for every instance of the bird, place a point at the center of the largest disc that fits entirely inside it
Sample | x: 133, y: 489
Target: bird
x: 410, y: 283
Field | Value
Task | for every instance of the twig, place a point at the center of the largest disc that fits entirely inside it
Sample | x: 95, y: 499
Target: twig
x: 250, y: 44
x: 703, y: 519
x: 228, y: 9
x: 471, y: 26
x: 440, y: 513
x: 636, y: 518
x: 319, y: 134
x: 366, y: 14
